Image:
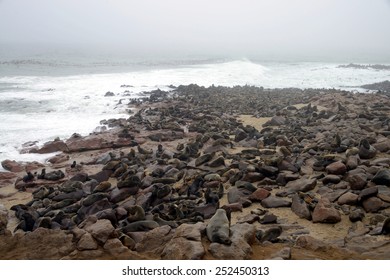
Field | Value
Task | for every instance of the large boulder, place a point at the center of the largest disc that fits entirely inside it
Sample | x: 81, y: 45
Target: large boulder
x: 101, y: 230
x: 242, y: 236
x: 186, y: 243
x: 324, y: 212
x: 12, y: 165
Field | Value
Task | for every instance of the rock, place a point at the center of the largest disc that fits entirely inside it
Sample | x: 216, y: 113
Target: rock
x: 155, y: 240
x: 58, y: 159
x: 186, y: 243
x: 275, y: 202
x: 3, y: 219
x: 115, y: 247
x: 324, y: 212
x: 348, y: 198
x: 332, y: 179
x: 7, y: 175
x: 352, y: 162
x: 356, y: 215
x: 275, y: 121
x: 101, y: 230
x: 242, y: 235
x: 372, y: 204
x: 252, y: 177
x: 51, y: 147
x: 382, y: 177
x: 284, y: 254
x: 357, y: 181
x: 12, y: 165
x: 259, y: 194
x: 310, y: 243
x: 87, y: 242
x: 240, y: 135
x: 300, y: 208
x: 368, y: 192
x: 269, y: 219
x: 336, y: 168
x: 301, y: 185
x: 270, y: 234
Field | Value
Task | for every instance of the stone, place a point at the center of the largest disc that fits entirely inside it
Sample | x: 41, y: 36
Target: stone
x: 356, y: 215
x: 348, y: 198
x: 352, y: 162
x: 115, y: 247
x: 270, y: 234
x: 275, y: 202
x: 357, y: 181
x: 186, y: 243
x: 51, y: 147
x: 300, y: 208
x: 304, y: 184
x: 336, y: 168
x: 12, y: 165
x: 155, y: 240
x: 269, y: 219
x: 87, y: 242
x: 242, y: 236
x: 324, y: 212
x: 101, y: 230
x: 259, y: 195
x: 183, y: 249
x: 372, y: 204
x: 332, y: 179
x: 368, y: 192
x: 284, y: 254
x: 3, y: 219
x: 382, y: 177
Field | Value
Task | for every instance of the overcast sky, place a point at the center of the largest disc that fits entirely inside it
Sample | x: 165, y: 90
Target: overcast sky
x: 295, y: 28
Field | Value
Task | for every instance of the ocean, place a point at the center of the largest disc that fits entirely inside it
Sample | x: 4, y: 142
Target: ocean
x: 41, y: 99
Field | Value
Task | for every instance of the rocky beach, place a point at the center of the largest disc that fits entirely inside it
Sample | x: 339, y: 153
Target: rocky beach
x: 299, y: 174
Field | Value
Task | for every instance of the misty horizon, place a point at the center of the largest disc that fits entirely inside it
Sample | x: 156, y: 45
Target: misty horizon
x: 301, y: 30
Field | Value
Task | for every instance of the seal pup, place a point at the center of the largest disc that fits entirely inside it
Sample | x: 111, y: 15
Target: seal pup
x: 42, y: 175
x: 73, y: 165
x: 218, y: 228
x: 28, y: 178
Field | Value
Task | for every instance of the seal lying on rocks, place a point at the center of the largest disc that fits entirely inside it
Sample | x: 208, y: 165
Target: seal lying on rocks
x: 218, y: 228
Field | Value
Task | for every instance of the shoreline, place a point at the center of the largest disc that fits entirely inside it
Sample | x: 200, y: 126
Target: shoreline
x: 263, y: 142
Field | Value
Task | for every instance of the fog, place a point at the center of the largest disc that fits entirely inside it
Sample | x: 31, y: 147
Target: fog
x: 280, y: 29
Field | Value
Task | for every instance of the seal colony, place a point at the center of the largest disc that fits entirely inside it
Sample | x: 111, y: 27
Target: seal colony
x: 225, y: 173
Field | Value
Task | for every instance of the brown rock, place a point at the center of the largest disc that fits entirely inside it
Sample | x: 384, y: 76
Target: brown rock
x: 183, y: 249
x: 372, y: 204
x: 242, y: 236
x: 7, y: 175
x: 12, y: 165
x: 52, y: 146
x: 155, y: 240
x: 300, y: 208
x: 348, y: 198
x: 87, y: 242
x: 101, y: 230
x: 336, y: 168
x: 324, y: 212
x: 301, y: 185
x: 259, y: 194
x: 357, y: 181
x: 275, y: 202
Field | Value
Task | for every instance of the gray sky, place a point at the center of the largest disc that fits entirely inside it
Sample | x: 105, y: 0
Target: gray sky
x: 285, y: 28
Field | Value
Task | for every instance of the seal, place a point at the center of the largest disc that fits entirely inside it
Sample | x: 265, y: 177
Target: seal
x: 28, y: 178
x: 218, y: 228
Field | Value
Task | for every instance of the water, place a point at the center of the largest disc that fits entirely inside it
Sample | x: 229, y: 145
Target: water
x: 44, y: 99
